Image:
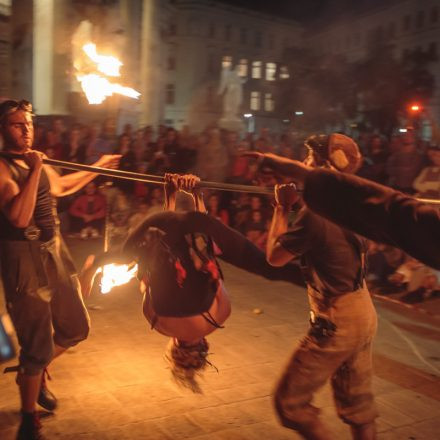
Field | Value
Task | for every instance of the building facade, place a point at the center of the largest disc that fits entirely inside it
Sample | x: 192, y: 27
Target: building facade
x: 206, y: 36
x: 409, y: 25
x: 174, y: 52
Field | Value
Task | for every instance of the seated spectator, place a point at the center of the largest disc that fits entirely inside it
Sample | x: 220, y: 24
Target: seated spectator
x: 156, y: 200
x: 74, y: 150
x: 88, y: 212
x: 239, y: 163
x: 213, y: 208
x: 374, y: 166
x: 107, y: 140
x: 418, y: 280
x: 141, y: 189
x: 256, y: 227
x: 404, y: 165
x: 141, y: 211
x: 383, y: 260
x: 427, y: 183
x: 240, y: 212
x: 119, y: 208
x: 160, y: 162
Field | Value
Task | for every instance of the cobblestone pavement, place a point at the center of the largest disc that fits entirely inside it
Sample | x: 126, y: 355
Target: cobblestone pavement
x: 116, y: 385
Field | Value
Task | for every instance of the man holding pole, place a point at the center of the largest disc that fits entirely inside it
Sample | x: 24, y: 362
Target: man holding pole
x: 41, y: 287
x: 338, y: 345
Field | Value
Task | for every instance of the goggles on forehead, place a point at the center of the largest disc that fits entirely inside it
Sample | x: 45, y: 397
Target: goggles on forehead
x: 11, y: 106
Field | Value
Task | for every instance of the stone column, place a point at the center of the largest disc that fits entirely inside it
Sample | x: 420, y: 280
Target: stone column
x: 50, y: 57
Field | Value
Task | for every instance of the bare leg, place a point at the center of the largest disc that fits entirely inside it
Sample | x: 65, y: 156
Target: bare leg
x: 30, y: 385
x: 29, y: 389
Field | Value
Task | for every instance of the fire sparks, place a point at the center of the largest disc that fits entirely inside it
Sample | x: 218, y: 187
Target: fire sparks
x: 92, y: 76
x: 116, y: 275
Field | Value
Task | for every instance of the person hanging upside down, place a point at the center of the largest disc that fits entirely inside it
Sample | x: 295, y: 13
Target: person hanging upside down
x: 180, y: 278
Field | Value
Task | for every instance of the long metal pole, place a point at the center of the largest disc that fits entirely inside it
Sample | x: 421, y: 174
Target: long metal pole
x: 151, y: 178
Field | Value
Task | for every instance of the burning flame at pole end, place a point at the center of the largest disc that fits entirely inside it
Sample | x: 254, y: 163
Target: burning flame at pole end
x: 105, y: 64
x: 97, y: 88
x: 95, y: 85
x: 116, y: 275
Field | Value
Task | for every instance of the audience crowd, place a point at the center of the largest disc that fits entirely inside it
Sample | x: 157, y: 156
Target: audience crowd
x: 402, y: 162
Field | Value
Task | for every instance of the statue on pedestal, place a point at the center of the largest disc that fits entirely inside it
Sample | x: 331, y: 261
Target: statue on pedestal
x: 231, y: 87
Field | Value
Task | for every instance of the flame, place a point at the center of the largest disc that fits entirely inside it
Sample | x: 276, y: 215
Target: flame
x: 92, y: 72
x: 98, y: 88
x: 105, y: 64
x: 116, y: 275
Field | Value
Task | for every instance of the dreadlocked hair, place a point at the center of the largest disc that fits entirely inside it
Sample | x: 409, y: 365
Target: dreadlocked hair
x: 187, y: 361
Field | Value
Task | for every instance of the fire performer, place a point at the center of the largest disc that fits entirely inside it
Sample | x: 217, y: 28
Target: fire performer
x: 338, y: 345
x: 182, y: 283
x: 40, y: 283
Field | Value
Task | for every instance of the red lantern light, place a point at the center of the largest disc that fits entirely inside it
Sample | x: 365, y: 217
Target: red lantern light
x: 415, y: 108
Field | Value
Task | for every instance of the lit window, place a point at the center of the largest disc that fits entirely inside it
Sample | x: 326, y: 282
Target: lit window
x: 269, y: 103
x: 256, y: 69
x: 226, y: 61
x: 170, y: 94
x: 243, y: 70
x: 271, y: 70
x: 284, y: 72
x: 255, y: 100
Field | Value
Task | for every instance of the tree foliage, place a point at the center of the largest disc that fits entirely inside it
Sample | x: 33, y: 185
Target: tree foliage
x: 375, y: 90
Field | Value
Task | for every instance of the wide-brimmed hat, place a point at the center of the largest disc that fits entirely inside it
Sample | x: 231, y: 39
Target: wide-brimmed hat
x: 338, y: 150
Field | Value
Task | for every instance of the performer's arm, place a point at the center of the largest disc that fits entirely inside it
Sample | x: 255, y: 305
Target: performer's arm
x: 369, y: 209
x: 71, y: 183
x: 188, y: 183
x: 19, y: 204
x: 376, y: 212
x: 287, y: 167
x: 285, y: 197
x: 170, y: 189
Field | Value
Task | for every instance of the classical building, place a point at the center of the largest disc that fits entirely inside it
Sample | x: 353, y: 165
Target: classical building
x: 5, y: 48
x: 206, y: 36
x: 174, y: 52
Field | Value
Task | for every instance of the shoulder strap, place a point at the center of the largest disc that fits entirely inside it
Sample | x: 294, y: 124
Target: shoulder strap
x: 360, y: 246
x: 12, y: 167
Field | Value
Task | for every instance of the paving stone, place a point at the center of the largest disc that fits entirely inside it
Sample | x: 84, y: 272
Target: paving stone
x: 116, y: 384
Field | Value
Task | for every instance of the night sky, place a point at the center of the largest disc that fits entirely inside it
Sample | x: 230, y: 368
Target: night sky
x: 308, y: 10
x: 297, y: 9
